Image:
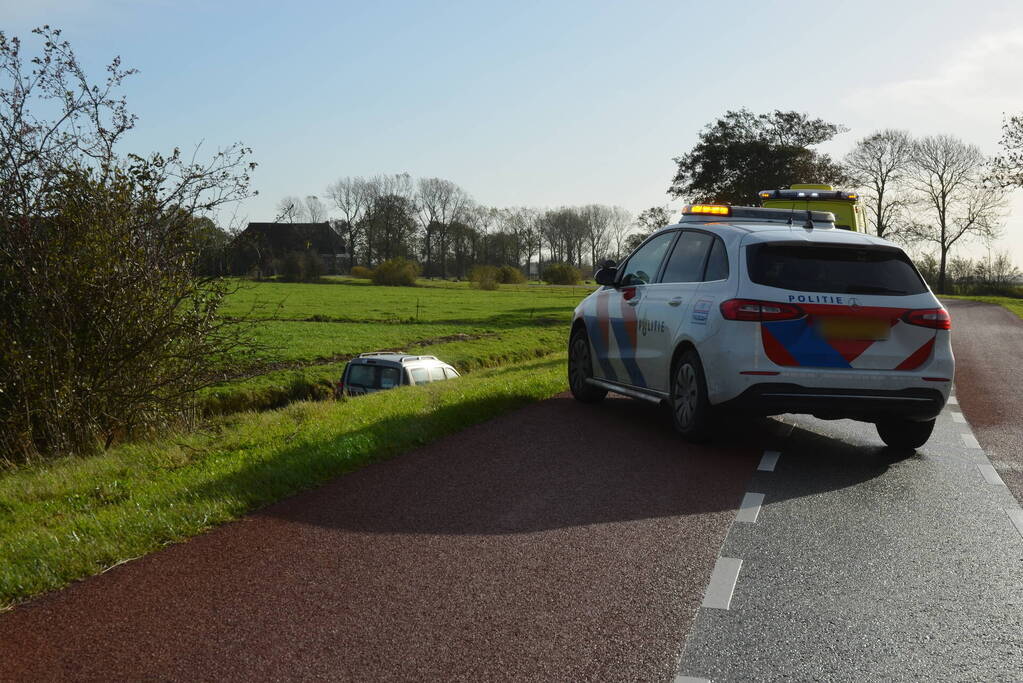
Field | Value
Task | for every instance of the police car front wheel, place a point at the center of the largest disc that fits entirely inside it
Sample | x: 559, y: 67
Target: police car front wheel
x: 580, y: 369
x: 690, y: 408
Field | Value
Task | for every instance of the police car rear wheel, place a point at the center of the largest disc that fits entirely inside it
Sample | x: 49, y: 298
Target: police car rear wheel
x: 905, y: 435
x: 690, y: 409
x: 580, y: 369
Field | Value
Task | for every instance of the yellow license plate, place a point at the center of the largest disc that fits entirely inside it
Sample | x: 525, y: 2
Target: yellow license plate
x: 861, y: 329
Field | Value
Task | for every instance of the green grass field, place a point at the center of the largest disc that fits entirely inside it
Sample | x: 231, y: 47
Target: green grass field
x: 350, y: 300
x: 309, y: 341
x: 69, y: 518
x: 319, y: 326
x: 1013, y: 305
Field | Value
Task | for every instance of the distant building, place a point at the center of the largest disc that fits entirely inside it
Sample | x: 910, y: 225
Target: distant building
x: 262, y: 246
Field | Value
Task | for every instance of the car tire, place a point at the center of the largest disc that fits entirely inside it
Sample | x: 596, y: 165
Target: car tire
x: 691, y: 412
x: 580, y: 369
x: 904, y: 434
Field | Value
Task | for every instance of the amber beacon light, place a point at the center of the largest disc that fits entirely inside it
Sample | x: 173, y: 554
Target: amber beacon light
x: 708, y: 209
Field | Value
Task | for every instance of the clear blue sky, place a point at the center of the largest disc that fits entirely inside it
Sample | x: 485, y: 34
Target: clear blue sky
x: 535, y: 103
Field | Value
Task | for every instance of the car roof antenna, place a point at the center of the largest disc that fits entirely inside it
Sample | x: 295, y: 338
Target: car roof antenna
x: 809, y: 220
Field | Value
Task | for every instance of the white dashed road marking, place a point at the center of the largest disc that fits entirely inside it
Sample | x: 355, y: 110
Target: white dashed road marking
x: 970, y: 440
x: 958, y: 417
x: 990, y: 475
x: 749, y: 508
x: 722, y: 583
x: 953, y: 400
x: 769, y: 460
x: 1016, y: 516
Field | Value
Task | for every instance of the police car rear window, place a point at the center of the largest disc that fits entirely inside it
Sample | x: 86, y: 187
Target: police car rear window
x: 834, y: 269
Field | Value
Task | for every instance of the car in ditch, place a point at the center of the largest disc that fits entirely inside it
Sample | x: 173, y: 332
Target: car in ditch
x: 380, y: 370
x: 767, y: 311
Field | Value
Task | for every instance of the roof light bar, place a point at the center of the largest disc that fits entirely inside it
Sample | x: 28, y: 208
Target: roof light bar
x: 707, y: 210
x: 808, y: 195
x: 702, y: 213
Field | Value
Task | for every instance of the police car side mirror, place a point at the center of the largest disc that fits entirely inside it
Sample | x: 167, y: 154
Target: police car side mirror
x: 606, y: 276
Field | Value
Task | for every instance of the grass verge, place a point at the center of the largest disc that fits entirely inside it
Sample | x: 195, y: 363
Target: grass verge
x: 1013, y: 305
x: 71, y: 518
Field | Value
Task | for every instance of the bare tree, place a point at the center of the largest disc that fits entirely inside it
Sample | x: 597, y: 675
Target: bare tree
x: 291, y: 210
x: 618, y: 229
x: 598, y: 227
x: 351, y: 196
x: 482, y: 220
x: 440, y: 202
x: 564, y: 231
x: 955, y: 202
x: 646, y: 223
x: 397, y: 184
x: 878, y: 165
x: 653, y: 218
x: 396, y: 193
x: 999, y: 270
x: 315, y: 210
x: 520, y: 222
x: 1008, y: 166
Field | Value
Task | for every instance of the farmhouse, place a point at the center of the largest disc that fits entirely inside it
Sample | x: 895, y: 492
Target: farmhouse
x: 263, y: 246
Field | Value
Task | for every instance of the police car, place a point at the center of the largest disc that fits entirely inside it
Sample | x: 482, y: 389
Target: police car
x: 767, y: 311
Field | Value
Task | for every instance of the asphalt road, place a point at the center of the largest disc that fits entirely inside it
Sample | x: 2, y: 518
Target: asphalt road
x: 862, y: 566
x: 571, y: 542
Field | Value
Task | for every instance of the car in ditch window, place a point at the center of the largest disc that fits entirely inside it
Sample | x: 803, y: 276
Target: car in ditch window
x: 380, y: 370
x: 767, y: 311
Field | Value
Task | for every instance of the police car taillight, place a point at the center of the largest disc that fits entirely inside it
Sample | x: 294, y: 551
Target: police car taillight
x: 937, y: 318
x: 759, y: 311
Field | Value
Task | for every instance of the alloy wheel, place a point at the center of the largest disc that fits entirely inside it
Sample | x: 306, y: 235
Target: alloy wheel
x: 686, y: 395
x: 580, y: 370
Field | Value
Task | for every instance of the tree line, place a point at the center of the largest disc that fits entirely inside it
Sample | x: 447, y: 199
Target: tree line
x: 931, y: 193
x: 438, y: 223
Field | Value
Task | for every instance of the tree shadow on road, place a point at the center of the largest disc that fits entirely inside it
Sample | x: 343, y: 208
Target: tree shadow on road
x: 560, y: 464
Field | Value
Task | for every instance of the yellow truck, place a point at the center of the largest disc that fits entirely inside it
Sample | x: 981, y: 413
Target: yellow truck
x: 845, y: 205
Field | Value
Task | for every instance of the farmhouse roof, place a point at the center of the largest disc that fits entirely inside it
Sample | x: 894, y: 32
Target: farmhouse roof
x: 285, y: 237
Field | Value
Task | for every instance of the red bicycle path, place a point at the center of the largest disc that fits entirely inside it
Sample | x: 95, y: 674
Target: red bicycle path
x: 558, y: 542
x: 987, y: 341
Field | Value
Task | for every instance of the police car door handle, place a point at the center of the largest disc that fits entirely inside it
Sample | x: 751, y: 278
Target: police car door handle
x: 675, y: 301
x: 633, y: 301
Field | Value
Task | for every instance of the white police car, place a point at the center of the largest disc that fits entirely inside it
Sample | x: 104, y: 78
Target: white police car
x: 767, y: 311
